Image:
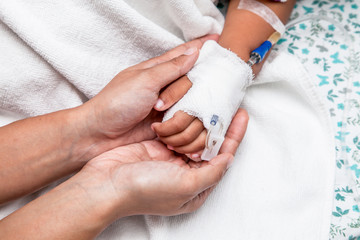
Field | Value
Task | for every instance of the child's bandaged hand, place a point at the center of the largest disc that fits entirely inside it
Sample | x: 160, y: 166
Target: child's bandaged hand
x: 218, y: 81
x: 183, y: 133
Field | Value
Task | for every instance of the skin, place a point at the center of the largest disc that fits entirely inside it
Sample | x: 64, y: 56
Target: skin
x: 131, y: 179
x: 140, y: 178
x: 70, y: 138
x: 186, y: 134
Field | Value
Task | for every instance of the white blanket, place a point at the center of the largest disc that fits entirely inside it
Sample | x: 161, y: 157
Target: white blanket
x: 57, y: 54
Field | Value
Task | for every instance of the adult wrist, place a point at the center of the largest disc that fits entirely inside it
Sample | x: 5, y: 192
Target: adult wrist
x: 79, y: 208
x: 91, y: 121
x: 86, y: 141
x: 105, y: 203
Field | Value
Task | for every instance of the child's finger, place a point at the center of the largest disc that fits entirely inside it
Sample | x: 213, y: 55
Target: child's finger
x: 173, y: 93
x: 178, y: 123
x: 185, y: 137
x: 197, y: 145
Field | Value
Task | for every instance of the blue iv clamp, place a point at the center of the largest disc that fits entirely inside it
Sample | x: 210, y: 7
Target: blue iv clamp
x: 259, y: 53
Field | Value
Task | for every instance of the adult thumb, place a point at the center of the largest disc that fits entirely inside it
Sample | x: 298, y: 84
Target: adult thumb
x: 210, y: 174
x: 164, y: 73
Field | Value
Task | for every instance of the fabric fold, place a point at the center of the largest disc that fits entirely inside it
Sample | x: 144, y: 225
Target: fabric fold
x: 56, y: 55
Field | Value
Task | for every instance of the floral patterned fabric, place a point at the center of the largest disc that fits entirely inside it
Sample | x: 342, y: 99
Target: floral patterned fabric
x: 328, y: 44
x: 325, y: 36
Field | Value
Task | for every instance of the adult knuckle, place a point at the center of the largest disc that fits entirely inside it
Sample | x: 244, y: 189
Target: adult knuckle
x: 158, y: 60
x: 145, y: 75
x: 182, y: 48
x: 196, y: 42
x: 177, y: 65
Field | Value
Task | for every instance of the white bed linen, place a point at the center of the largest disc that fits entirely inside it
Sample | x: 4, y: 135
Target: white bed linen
x: 56, y: 55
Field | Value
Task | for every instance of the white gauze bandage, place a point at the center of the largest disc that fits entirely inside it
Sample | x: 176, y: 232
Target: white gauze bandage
x: 264, y: 12
x: 219, y: 79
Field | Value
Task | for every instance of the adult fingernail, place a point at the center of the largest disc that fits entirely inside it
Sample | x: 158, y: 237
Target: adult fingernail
x: 190, y: 51
x: 170, y: 147
x: 159, y: 104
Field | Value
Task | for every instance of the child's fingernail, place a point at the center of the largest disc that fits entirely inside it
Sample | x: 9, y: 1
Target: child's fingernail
x: 190, y: 51
x: 195, y: 155
x: 159, y: 104
x: 170, y: 147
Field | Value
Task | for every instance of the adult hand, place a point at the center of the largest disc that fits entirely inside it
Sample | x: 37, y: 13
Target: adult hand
x: 143, y: 178
x: 156, y: 181
x: 65, y: 140
x: 123, y: 110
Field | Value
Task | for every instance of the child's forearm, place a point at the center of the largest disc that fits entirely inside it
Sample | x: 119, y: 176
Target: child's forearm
x: 244, y: 31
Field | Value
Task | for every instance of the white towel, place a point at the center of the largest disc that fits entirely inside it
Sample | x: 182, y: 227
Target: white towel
x: 57, y: 54
x: 77, y: 47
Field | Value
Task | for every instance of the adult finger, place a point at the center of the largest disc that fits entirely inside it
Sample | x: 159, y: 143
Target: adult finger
x: 164, y: 73
x: 196, y: 202
x: 173, y: 93
x: 205, y: 178
x: 176, y: 52
x: 211, y: 173
x: 235, y: 132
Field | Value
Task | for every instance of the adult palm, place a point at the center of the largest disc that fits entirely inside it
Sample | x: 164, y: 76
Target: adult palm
x: 157, y: 181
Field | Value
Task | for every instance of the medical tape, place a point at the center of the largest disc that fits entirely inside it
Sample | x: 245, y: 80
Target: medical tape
x: 264, y: 12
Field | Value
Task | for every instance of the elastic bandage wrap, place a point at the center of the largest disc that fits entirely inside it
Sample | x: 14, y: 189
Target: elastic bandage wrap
x: 219, y: 79
x: 264, y: 12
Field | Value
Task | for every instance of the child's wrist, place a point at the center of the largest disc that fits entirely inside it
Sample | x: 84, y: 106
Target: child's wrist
x: 235, y: 46
x: 243, y: 51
